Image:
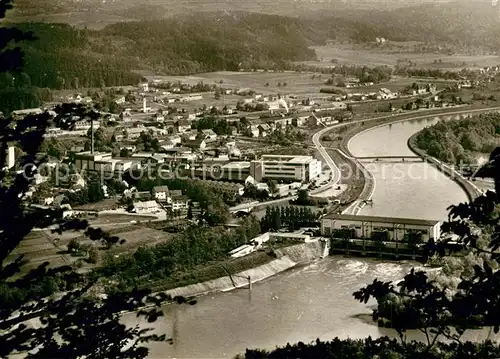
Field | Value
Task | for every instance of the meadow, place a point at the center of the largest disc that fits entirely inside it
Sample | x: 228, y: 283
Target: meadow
x: 362, y: 55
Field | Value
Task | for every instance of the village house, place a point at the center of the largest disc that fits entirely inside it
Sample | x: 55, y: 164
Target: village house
x: 161, y: 193
x: 82, y: 125
x: 182, y: 126
x: 167, y: 144
x: 264, y: 130
x: 159, y: 118
x: 180, y: 204
x: 144, y: 207
x: 156, y: 159
x: 120, y: 100
x: 133, y: 133
x: 196, y: 144
x: 208, y: 135
x: 254, y: 130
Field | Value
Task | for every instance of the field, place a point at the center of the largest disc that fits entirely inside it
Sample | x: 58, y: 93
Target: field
x: 296, y: 84
x: 44, y: 246
x: 80, y: 19
x: 356, y: 55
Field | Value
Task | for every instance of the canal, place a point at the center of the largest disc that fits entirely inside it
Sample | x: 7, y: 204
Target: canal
x: 316, y: 301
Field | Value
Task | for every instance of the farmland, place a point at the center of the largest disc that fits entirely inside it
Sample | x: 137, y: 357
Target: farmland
x: 296, y: 83
x: 44, y: 246
x: 362, y: 55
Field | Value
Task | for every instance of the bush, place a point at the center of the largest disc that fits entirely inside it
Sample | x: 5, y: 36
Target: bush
x: 74, y: 245
x: 93, y: 255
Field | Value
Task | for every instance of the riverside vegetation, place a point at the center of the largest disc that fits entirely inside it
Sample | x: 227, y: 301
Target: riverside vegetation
x: 460, y: 141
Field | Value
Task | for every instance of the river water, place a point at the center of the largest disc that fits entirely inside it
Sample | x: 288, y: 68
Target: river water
x: 316, y: 301
x: 410, y: 189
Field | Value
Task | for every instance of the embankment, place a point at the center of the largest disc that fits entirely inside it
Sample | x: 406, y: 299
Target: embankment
x: 288, y: 257
x: 471, y: 190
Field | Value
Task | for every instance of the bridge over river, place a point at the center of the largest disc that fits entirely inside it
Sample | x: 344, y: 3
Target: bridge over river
x: 390, y: 159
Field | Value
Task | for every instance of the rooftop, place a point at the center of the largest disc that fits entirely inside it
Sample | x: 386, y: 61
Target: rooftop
x: 237, y: 165
x: 391, y: 220
x: 160, y: 189
x: 288, y: 158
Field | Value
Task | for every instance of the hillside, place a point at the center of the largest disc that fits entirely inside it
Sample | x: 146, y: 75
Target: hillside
x: 64, y: 57
x: 459, y: 142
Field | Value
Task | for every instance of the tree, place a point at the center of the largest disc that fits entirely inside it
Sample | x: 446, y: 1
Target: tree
x: 438, y: 310
x: 303, y: 197
x: 273, y: 186
x: 74, y: 245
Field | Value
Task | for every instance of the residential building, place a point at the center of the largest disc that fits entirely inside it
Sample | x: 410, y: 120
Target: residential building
x: 120, y: 100
x: 254, y: 130
x: 389, y: 229
x: 161, y: 193
x: 26, y: 112
x: 264, y: 129
x: 208, y: 135
x: 182, y: 126
x: 145, y: 207
x: 156, y: 159
x: 285, y: 167
x: 179, y: 203
x: 167, y: 144
x: 133, y: 133
x: 197, y: 145
x: 191, y: 97
x: 84, y: 124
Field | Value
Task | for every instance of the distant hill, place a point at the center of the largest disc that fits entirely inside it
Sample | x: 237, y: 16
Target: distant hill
x: 463, y: 23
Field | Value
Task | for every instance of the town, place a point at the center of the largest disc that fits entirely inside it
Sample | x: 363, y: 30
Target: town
x: 240, y: 180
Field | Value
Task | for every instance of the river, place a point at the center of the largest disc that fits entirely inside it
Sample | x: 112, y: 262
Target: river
x: 413, y: 190
x: 316, y: 301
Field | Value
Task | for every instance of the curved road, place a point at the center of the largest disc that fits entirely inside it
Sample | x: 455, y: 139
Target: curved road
x: 336, y: 175
x: 333, y: 167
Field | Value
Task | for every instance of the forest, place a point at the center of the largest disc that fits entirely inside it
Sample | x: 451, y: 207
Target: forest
x: 64, y: 57
x: 456, y: 142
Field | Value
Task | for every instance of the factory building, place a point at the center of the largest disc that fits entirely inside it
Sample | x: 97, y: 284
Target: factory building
x: 103, y: 163
x: 286, y: 168
x: 384, y: 228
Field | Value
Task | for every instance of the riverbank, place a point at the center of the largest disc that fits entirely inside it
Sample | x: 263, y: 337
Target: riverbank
x: 287, y: 258
x: 470, y: 189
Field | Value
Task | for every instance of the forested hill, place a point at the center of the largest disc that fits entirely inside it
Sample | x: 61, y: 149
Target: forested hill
x: 457, y: 141
x: 215, y: 41
x: 462, y: 23
x: 64, y: 57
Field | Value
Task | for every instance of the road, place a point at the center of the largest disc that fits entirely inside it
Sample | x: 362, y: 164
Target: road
x: 331, y: 164
x: 336, y: 175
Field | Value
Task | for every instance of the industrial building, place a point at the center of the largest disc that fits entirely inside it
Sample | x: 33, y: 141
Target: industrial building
x: 103, y: 163
x: 385, y: 228
x: 9, y: 159
x: 285, y: 167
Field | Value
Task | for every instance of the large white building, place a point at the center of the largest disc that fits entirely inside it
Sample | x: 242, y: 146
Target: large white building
x: 103, y: 163
x: 285, y: 167
x: 394, y: 229
x: 10, y: 157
